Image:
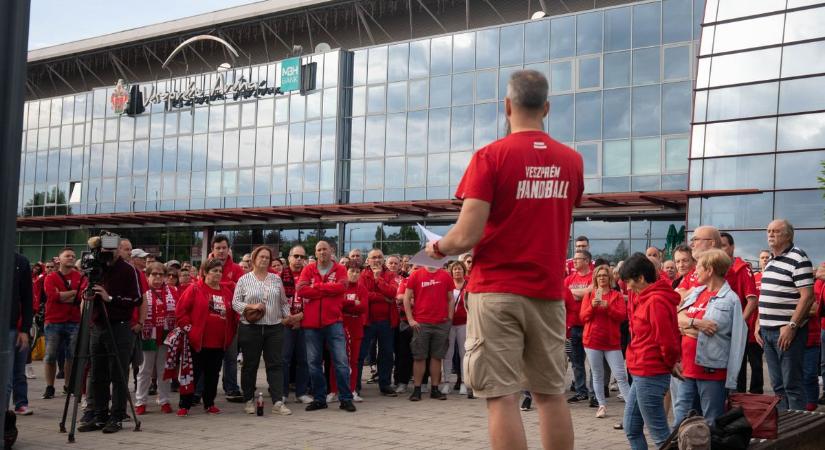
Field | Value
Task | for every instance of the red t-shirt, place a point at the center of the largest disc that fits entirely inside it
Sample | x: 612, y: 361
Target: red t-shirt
x: 214, y: 334
x: 402, y: 288
x: 742, y: 283
x: 532, y: 184
x: 689, y: 367
x: 57, y: 311
x: 689, y: 281
x: 819, y: 298
x: 430, y: 290
x: 576, y: 281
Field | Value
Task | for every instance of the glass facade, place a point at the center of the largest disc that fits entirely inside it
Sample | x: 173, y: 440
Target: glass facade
x: 759, y: 122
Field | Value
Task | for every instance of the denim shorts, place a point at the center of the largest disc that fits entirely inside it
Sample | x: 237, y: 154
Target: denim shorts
x: 56, y: 335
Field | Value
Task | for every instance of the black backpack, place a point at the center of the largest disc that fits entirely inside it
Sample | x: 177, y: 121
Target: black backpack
x: 731, y: 431
x: 10, y: 435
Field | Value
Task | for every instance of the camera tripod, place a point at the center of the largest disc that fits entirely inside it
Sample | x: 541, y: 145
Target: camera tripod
x: 82, y: 356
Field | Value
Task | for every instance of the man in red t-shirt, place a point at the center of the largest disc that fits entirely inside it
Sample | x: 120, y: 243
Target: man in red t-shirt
x: 519, y: 194
x: 231, y: 274
x: 704, y: 238
x: 430, y: 319
x: 62, y: 316
x: 580, y: 283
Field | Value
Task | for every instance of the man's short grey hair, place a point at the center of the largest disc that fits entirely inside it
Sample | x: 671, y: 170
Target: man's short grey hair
x: 789, y: 231
x: 527, y: 89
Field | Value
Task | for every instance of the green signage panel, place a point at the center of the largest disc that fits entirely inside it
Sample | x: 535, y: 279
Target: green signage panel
x: 291, y: 74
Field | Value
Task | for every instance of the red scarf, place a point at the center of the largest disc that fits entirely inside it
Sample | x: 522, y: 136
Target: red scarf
x: 160, y: 313
x: 296, y: 304
x: 178, y: 342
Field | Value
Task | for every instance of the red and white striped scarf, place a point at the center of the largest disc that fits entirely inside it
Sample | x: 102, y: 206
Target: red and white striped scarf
x: 160, y: 313
x: 178, y: 342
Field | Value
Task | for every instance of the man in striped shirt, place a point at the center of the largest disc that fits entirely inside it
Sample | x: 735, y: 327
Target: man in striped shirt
x: 784, y: 303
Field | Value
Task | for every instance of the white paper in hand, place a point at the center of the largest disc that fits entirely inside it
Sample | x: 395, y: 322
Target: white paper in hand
x: 421, y: 257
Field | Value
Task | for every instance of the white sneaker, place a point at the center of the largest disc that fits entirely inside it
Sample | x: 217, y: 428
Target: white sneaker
x: 280, y: 408
x: 356, y: 397
x: 250, y: 407
x: 601, y: 412
x: 445, y: 388
x: 425, y: 388
x: 332, y: 397
x: 30, y: 373
x: 305, y: 399
x: 463, y: 390
x: 620, y: 397
x: 239, y: 358
x: 401, y: 388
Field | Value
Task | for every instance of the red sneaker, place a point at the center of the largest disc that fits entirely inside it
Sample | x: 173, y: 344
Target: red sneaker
x: 183, y: 412
x: 810, y: 407
x: 140, y: 410
x: 213, y: 410
x: 166, y: 408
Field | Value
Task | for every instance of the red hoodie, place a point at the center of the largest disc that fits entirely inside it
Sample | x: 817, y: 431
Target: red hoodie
x: 193, y: 309
x: 602, y: 325
x: 741, y: 282
x: 379, y: 292
x: 656, y: 344
x: 231, y: 273
x: 323, y: 295
x: 355, y: 316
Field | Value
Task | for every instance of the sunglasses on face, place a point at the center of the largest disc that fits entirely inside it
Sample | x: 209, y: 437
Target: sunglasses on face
x: 299, y: 256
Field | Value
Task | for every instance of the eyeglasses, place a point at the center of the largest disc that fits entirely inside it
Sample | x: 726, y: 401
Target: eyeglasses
x: 299, y: 256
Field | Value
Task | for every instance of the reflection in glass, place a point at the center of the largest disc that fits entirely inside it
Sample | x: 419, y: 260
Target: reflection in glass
x: 749, y: 33
x: 742, y: 101
x: 616, y: 158
x: 416, y: 132
x: 439, y: 130
x: 394, y: 173
x: 706, y: 44
x: 512, y: 40
x: 486, y: 83
x: 677, y: 62
x: 676, y: 155
x: 617, y: 29
x: 562, y: 37
x: 359, y: 68
x: 801, y: 208
x: 616, y: 113
x: 374, y: 174
x: 589, y: 33
x: 740, y: 211
x: 374, y: 144
x: 536, y: 41
x: 416, y: 171
x: 561, y: 118
x: 464, y: 52
x: 646, y: 65
x: 461, y: 128
x: 616, y: 69
x: 674, y: 182
x: 676, y: 107
x: 397, y: 65
x: 746, y: 136
x: 377, y: 69
x: 804, y: 94
x: 419, y: 94
x: 441, y: 51
x: 646, y: 25
x: 296, y: 107
x: 745, y: 67
x: 797, y: 170
x: 438, y: 170
x: 561, y: 76
x: 230, y: 150
x: 676, y: 20
x: 375, y: 99
x: 280, y: 142
x: 646, y: 111
x: 281, y: 111
x: 396, y: 134
x: 397, y: 97
x: 296, y: 142
x: 440, y: 91
x: 645, y: 183
x: 590, y: 72
x: 801, y: 132
x: 462, y: 89
x: 588, y: 116
x: 328, y: 149
x: 645, y: 156
x: 731, y: 10
x: 485, y: 124
x: 419, y: 58
x: 458, y: 164
x: 487, y: 48
x: 741, y: 172
x: 263, y: 146
x: 805, y: 24
x: 312, y: 141
x: 590, y: 156
x: 615, y: 184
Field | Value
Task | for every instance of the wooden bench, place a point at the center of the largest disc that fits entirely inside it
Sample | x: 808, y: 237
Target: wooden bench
x: 798, y: 430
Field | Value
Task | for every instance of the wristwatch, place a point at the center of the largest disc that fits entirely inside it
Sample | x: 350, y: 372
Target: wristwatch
x: 793, y: 325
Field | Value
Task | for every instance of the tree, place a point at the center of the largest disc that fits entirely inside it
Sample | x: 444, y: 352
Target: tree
x: 51, y: 203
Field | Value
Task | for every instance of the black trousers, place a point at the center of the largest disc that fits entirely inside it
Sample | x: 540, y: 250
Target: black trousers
x: 207, y: 364
x: 266, y: 340
x: 403, y: 355
x: 105, y: 373
x: 753, y: 356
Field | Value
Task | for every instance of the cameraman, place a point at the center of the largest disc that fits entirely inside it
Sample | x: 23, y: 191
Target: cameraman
x: 120, y: 292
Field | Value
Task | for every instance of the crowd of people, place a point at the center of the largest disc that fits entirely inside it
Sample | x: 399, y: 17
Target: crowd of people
x: 676, y: 330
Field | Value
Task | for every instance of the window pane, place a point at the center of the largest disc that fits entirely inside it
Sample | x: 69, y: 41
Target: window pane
x: 463, y: 88
x: 280, y: 143
x: 801, y: 132
x: 677, y: 20
x: 536, y: 41
x: 676, y: 107
x: 461, y: 128
x: 561, y: 117
x: 798, y: 170
x: 677, y: 62
x: 441, y: 52
x: 439, y: 130
x: 747, y: 136
x: 646, y: 66
x: 230, y: 149
x: 616, y: 29
x: 263, y: 146
x: 503, y: 78
x: 741, y: 172
x: 485, y: 124
x: 646, y: 155
x: 486, y: 83
x: 748, y: 33
x: 562, y: 37
x: 801, y: 208
x: 464, y: 54
x: 745, y: 211
x: 588, y: 116
x: 438, y: 170
x: 512, y: 43
x: 296, y: 142
x: 417, y: 132
x: 742, y: 101
x: 416, y: 171
x: 590, y: 71
x: 676, y: 155
x: 377, y: 70
x: 646, y: 111
x: 617, y: 69
x: 374, y: 144
x: 396, y: 134
x: 397, y: 97
x: 281, y: 111
x: 733, y: 9
x: 590, y: 156
x: 487, y: 48
x: 265, y: 112
x: 646, y: 27
x: 397, y: 66
x: 801, y: 25
x: 440, y: 91
x: 375, y: 99
x: 359, y: 68
x: 616, y: 113
x: 419, y: 59
x: 802, y: 59
x: 745, y: 67
x: 419, y: 94
x: 616, y: 158
x: 297, y: 107
x: 806, y: 94
x: 312, y: 141
x: 589, y: 33
x: 561, y: 76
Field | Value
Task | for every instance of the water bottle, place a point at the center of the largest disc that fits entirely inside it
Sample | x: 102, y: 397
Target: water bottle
x: 259, y: 404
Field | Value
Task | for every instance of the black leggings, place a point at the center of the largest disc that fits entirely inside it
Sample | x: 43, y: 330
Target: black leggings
x: 207, y: 364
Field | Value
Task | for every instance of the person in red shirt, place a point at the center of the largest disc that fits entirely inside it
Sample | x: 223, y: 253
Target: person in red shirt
x: 458, y: 332
x: 431, y: 319
x: 764, y: 257
x: 683, y: 258
x: 519, y: 193
x: 354, y: 310
x: 579, y: 244
x: 704, y: 238
x: 403, y: 354
x: 580, y: 283
x: 382, y: 317
x: 602, y: 311
x: 231, y: 274
x: 207, y: 308
x: 62, y: 317
x: 819, y: 298
x: 294, y: 342
x: 653, y: 352
x: 742, y: 282
x: 323, y: 285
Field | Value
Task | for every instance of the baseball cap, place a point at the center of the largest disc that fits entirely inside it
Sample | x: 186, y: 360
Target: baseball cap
x: 139, y: 253
x: 173, y: 262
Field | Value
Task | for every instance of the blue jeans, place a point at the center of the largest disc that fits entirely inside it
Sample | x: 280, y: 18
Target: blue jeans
x: 382, y: 331
x: 333, y: 337
x: 17, y: 383
x: 295, y: 344
x: 577, y: 356
x: 785, y: 367
x: 616, y: 362
x: 57, y: 335
x: 810, y: 374
x: 229, y: 378
x: 700, y: 395
x: 645, y: 405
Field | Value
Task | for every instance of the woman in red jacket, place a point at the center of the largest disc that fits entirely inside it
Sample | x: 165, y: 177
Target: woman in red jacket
x: 653, y: 352
x: 355, y: 317
x: 602, y: 312
x: 207, y: 307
